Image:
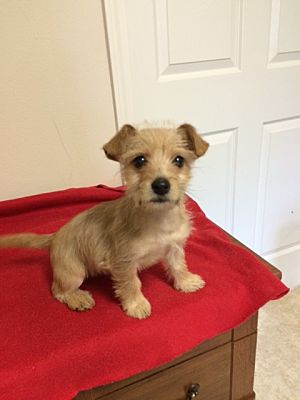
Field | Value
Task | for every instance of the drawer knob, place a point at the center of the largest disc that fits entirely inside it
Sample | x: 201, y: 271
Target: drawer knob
x: 192, y: 391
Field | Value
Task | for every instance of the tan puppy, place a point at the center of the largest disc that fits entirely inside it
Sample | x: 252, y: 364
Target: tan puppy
x: 121, y: 237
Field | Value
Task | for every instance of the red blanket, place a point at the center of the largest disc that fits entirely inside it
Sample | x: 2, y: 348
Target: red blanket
x: 49, y: 352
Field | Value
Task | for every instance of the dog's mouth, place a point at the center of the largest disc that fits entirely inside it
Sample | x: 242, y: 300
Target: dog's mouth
x: 159, y: 200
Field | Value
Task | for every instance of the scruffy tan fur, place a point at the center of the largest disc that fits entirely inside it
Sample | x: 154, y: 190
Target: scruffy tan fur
x: 123, y: 236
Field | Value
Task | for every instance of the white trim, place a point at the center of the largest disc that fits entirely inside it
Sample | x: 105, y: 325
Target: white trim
x: 115, y: 14
x: 287, y: 260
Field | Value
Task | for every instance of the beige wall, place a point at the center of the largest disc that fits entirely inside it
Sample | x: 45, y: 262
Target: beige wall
x: 56, y: 107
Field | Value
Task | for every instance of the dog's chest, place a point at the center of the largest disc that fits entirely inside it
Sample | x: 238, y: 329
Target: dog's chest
x: 155, y: 247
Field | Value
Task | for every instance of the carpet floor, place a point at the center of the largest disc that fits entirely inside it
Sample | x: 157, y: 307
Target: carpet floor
x: 277, y: 375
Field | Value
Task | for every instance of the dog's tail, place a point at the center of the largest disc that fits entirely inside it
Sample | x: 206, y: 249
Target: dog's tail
x: 32, y: 240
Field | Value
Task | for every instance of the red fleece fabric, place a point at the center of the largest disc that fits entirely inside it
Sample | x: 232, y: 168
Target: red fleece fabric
x: 49, y: 352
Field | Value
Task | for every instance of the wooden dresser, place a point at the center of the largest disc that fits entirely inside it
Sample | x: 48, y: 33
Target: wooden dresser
x: 218, y: 369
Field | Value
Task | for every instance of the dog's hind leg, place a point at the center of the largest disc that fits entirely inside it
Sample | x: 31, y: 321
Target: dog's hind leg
x: 66, y: 282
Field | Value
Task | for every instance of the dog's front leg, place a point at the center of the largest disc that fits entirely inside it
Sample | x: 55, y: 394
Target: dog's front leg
x: 177, y: 270
x: 127, y: 287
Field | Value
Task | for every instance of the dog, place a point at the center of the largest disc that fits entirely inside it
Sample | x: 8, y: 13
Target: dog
x: 122, y: 237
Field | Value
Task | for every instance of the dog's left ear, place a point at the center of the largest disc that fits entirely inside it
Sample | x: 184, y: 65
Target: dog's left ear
x: 194, y: 141
x: 119, y: 143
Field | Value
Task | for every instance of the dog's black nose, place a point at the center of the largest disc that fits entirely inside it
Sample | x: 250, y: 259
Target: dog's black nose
x: 161, y: 186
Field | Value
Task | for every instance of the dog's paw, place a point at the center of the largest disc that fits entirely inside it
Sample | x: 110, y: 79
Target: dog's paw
x: 189, y: 282
x: 79, y: 300
x: 139, y: 308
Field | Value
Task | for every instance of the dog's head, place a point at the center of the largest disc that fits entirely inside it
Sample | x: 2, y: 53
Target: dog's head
x: 156, y: 162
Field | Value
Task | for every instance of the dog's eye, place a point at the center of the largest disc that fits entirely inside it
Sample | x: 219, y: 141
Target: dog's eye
x: 139, y: 161
x: 178, y: 161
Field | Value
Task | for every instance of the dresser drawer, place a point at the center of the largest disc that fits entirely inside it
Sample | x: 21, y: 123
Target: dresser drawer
x: 210, y: 370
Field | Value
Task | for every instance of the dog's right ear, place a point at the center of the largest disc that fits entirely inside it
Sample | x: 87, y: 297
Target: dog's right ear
x: 119, y: 143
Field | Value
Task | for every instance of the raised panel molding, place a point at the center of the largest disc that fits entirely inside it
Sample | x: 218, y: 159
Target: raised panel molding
x: 284, y: 48
x: 225, y: 63
x: 277, y: 233
x: 209, y: 187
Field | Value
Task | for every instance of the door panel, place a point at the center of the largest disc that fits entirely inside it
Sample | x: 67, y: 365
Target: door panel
x: 183, y: 47
x: 285, y: 33
x: 207, y: 179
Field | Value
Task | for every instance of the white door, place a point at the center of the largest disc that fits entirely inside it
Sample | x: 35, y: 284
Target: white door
x: 232, y: 69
